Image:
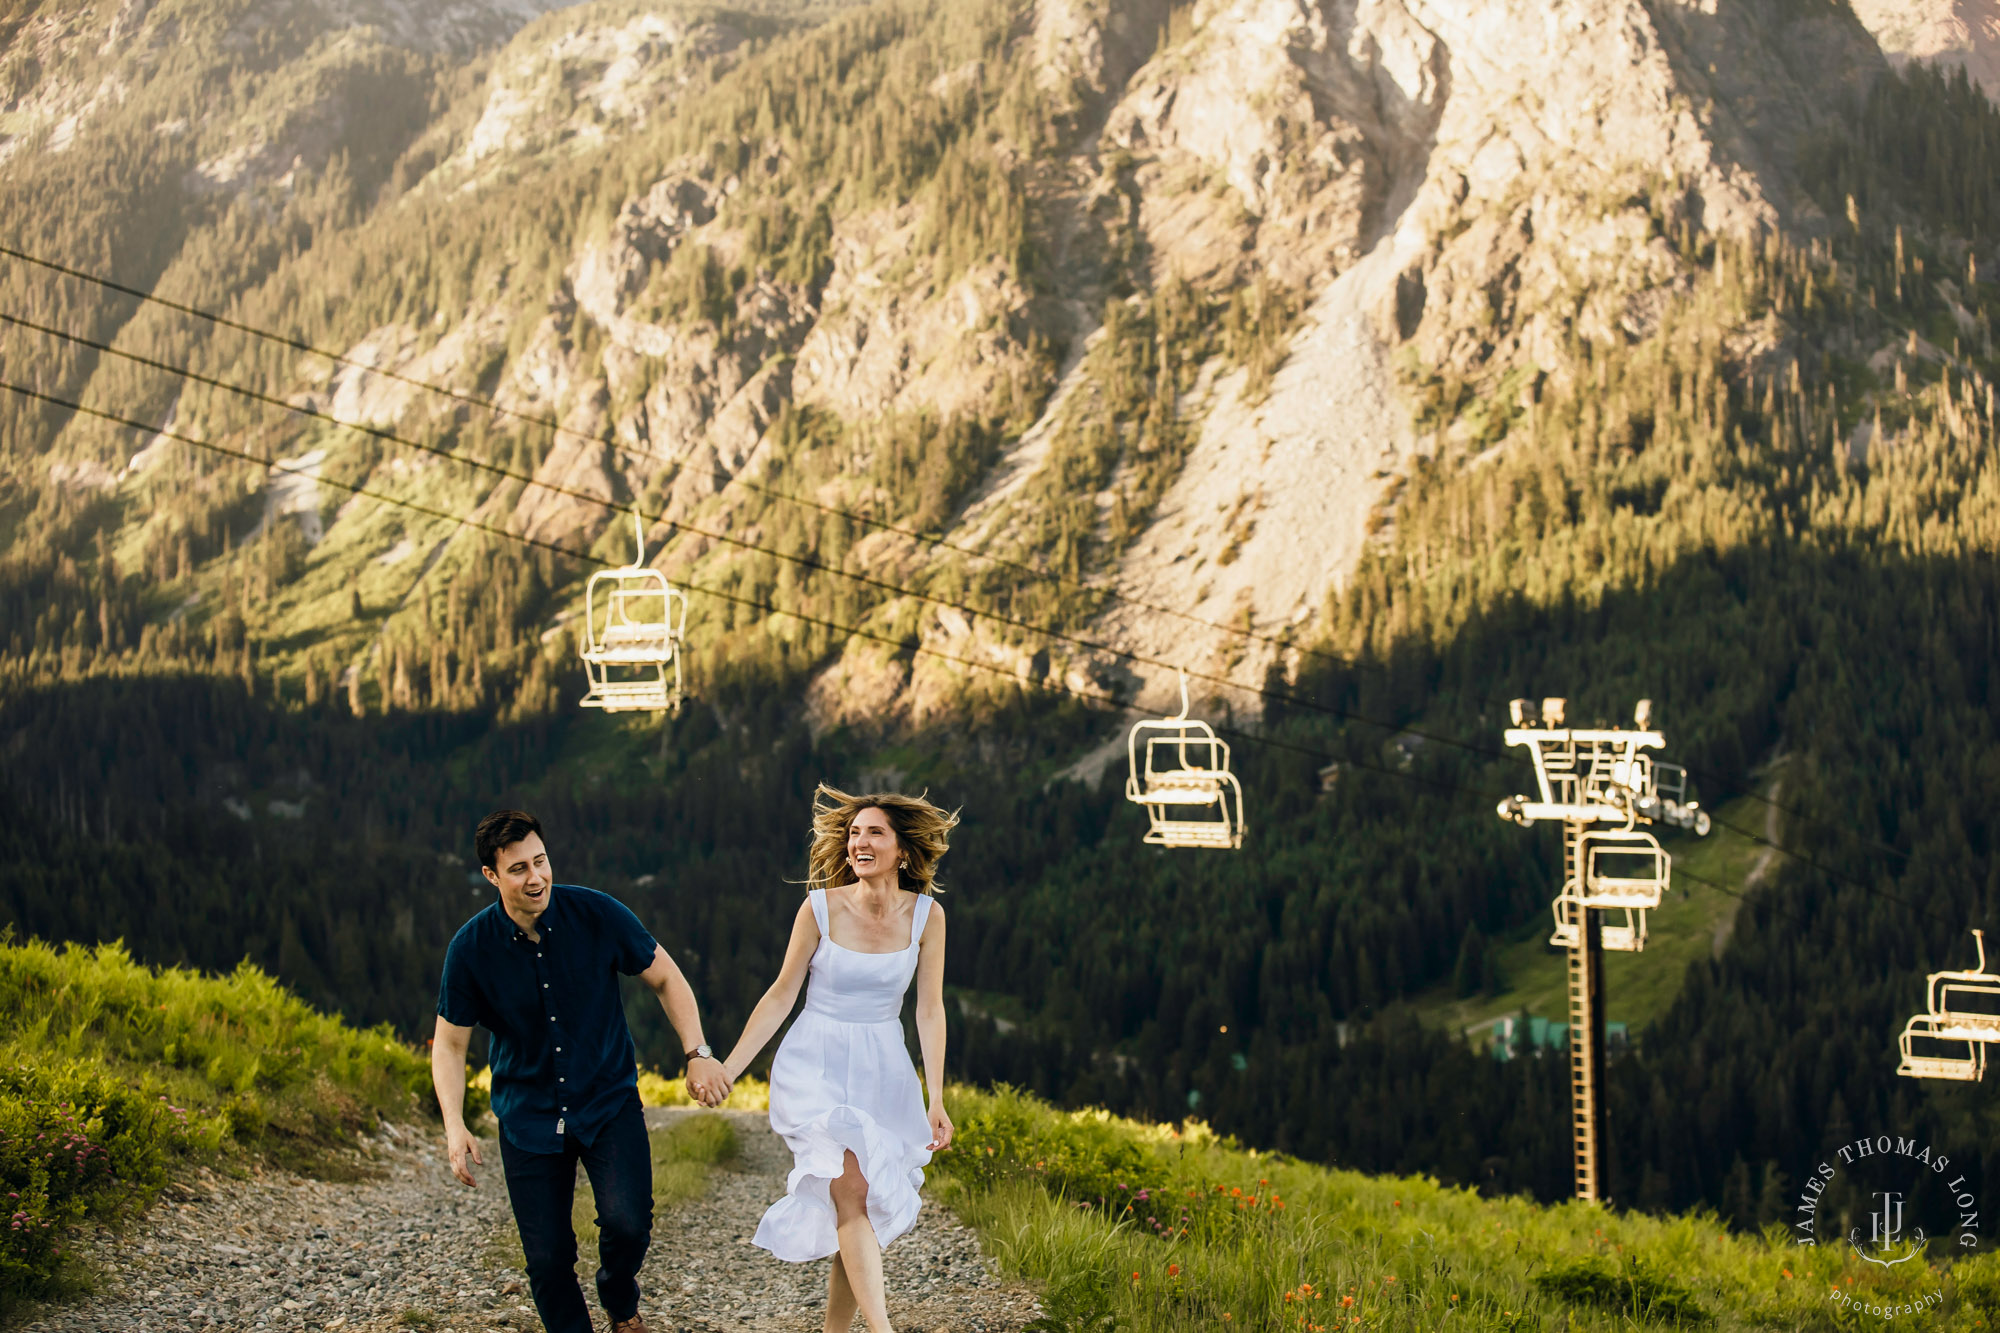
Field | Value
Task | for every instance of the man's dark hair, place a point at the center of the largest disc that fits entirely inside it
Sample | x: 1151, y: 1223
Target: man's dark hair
x: 501, y: 828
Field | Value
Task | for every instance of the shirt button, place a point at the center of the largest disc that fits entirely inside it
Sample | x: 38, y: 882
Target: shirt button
x: 545, y: 985
x: 562, y: 1080
x: 558, y: 1050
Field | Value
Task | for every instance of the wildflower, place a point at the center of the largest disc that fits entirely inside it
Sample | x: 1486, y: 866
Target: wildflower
x: 1454, y: 1298
x: 1786, y: 1271
x: 1173, y: 1270
x: 1238, y: 1193
x: 1395, y: 1203
x: 1225, y: 1314
x: 1346, y: 1301
x: 1135, y: 1275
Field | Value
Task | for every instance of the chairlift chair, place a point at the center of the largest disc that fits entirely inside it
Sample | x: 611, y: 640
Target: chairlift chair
x: 632, y: 627
x: 1624, y: 868
x: 1965, y: 1005
x: 1923, y: 1031
x: 1628, y: 938
x: 1183, y: 780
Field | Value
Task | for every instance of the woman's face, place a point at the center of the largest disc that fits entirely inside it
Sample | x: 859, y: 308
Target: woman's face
x: 871, y: 843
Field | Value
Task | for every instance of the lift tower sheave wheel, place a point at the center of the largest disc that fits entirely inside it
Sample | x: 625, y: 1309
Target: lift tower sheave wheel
x: 1599, y: 785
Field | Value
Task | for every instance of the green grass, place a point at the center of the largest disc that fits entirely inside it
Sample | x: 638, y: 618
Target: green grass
x: 1195, y: 1232
x: 1690, y: 924
x: 113, y: 1075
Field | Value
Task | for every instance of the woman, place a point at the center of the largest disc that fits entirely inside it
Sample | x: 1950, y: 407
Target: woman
x: 844, y: 1094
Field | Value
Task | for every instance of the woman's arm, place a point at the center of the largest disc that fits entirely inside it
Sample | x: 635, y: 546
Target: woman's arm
x: 930, y: 1024
x: 777, y: 1002
x: 664, y: 978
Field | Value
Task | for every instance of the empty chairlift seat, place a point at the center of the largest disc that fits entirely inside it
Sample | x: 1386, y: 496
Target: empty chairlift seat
x: 1179, y: 770
x: 633, y: 621
x: 1926, y: 1053
x: 1962, y: 1016
x: 1624, y: 868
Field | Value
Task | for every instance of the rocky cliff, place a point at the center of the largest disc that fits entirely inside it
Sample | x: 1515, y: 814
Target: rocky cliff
x: 1185, y: 280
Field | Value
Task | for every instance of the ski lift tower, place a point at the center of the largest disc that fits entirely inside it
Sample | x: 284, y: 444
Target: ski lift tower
x: 1599, y: 785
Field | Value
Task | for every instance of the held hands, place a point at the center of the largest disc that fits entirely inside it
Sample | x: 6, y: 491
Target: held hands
x: 460, y: 1144
x: 707, y: 1081
x: 941, y: 1127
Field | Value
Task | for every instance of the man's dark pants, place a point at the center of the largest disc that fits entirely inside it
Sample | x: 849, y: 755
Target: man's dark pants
x: 542, y: 1188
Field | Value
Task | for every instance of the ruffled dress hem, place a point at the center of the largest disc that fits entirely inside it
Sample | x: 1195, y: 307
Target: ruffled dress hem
x: 802, y: 1226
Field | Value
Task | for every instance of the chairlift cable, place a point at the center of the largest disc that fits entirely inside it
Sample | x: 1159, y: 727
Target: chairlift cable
x: 903, y: 644
x: 610, y: 441
x: 806, y: 562
x: 932, y: 539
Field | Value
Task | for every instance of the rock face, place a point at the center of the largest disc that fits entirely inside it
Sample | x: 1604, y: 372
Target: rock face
x: 1439, y: 188
x: 1457, y: 183
x: 1962, y: 33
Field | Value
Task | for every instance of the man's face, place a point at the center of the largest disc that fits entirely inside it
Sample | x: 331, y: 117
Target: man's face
x: 521, y: 872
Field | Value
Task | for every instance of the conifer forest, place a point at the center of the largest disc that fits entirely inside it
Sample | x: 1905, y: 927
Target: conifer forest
x: 276, y: 629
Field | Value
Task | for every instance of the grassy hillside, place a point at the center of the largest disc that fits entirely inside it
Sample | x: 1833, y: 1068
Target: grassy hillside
x: 113, y: 1075
x: 1694, y: 922
x: 1161, y: 1228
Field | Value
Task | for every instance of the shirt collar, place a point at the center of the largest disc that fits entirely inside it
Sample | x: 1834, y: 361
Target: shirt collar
x: 545, y: 923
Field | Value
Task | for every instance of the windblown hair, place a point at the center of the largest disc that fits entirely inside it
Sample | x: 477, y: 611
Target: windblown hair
x: 922, y: 834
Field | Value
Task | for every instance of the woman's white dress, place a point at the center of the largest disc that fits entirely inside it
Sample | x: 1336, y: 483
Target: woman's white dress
x: 842, y: 1082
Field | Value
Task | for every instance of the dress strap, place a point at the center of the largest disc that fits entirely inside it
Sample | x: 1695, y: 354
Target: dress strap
x: 817, y: 897
x: 919, y: 916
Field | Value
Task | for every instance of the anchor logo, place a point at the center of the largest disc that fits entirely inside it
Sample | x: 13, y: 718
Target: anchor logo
x: 1885, y: 1227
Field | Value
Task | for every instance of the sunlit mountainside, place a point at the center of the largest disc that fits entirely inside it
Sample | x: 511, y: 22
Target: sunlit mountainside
x: 975, y: 367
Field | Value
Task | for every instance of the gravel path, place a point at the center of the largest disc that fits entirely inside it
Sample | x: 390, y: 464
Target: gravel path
x: 409, y: 1248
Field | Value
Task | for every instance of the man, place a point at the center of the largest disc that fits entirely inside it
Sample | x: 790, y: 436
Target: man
x: 539, y: 970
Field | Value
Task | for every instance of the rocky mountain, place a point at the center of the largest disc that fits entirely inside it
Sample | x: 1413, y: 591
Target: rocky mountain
x: 1373, y: 361
x: 1339, y: 198
x: 1949, y: 33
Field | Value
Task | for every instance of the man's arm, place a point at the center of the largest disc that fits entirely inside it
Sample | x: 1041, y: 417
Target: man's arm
x: 706, y: 1081
x: 448, y: 1077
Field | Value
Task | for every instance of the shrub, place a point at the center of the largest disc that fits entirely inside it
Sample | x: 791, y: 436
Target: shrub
x: 1632, y: 1288
x: 112, y: 1074
x: 76, y: 1145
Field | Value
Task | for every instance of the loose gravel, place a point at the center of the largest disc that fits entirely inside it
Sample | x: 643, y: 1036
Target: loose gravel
x: 410, y: 1248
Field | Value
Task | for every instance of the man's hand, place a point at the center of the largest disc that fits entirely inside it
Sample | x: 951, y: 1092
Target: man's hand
x: 941, y: 1127
x: 707, y: 1081
x: 461, y: 1144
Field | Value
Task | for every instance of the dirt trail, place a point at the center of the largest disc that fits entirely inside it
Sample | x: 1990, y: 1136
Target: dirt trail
x: 410, y: 1248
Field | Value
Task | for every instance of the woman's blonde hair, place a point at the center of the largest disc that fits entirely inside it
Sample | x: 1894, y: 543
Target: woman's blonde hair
x: 922, y: 834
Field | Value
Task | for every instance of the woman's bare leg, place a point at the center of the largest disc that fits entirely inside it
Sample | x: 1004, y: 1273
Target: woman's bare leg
x: 860, y: 1252
x: 839, y: 1299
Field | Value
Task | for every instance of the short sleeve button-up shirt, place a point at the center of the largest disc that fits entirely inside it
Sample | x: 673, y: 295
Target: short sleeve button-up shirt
x: 562, y: 1058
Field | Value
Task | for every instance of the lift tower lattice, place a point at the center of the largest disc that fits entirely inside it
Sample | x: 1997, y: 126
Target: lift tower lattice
x: 1599, y: 785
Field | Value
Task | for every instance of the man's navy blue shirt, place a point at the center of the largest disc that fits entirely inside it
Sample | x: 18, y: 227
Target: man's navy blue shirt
x: 562, y: 1057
